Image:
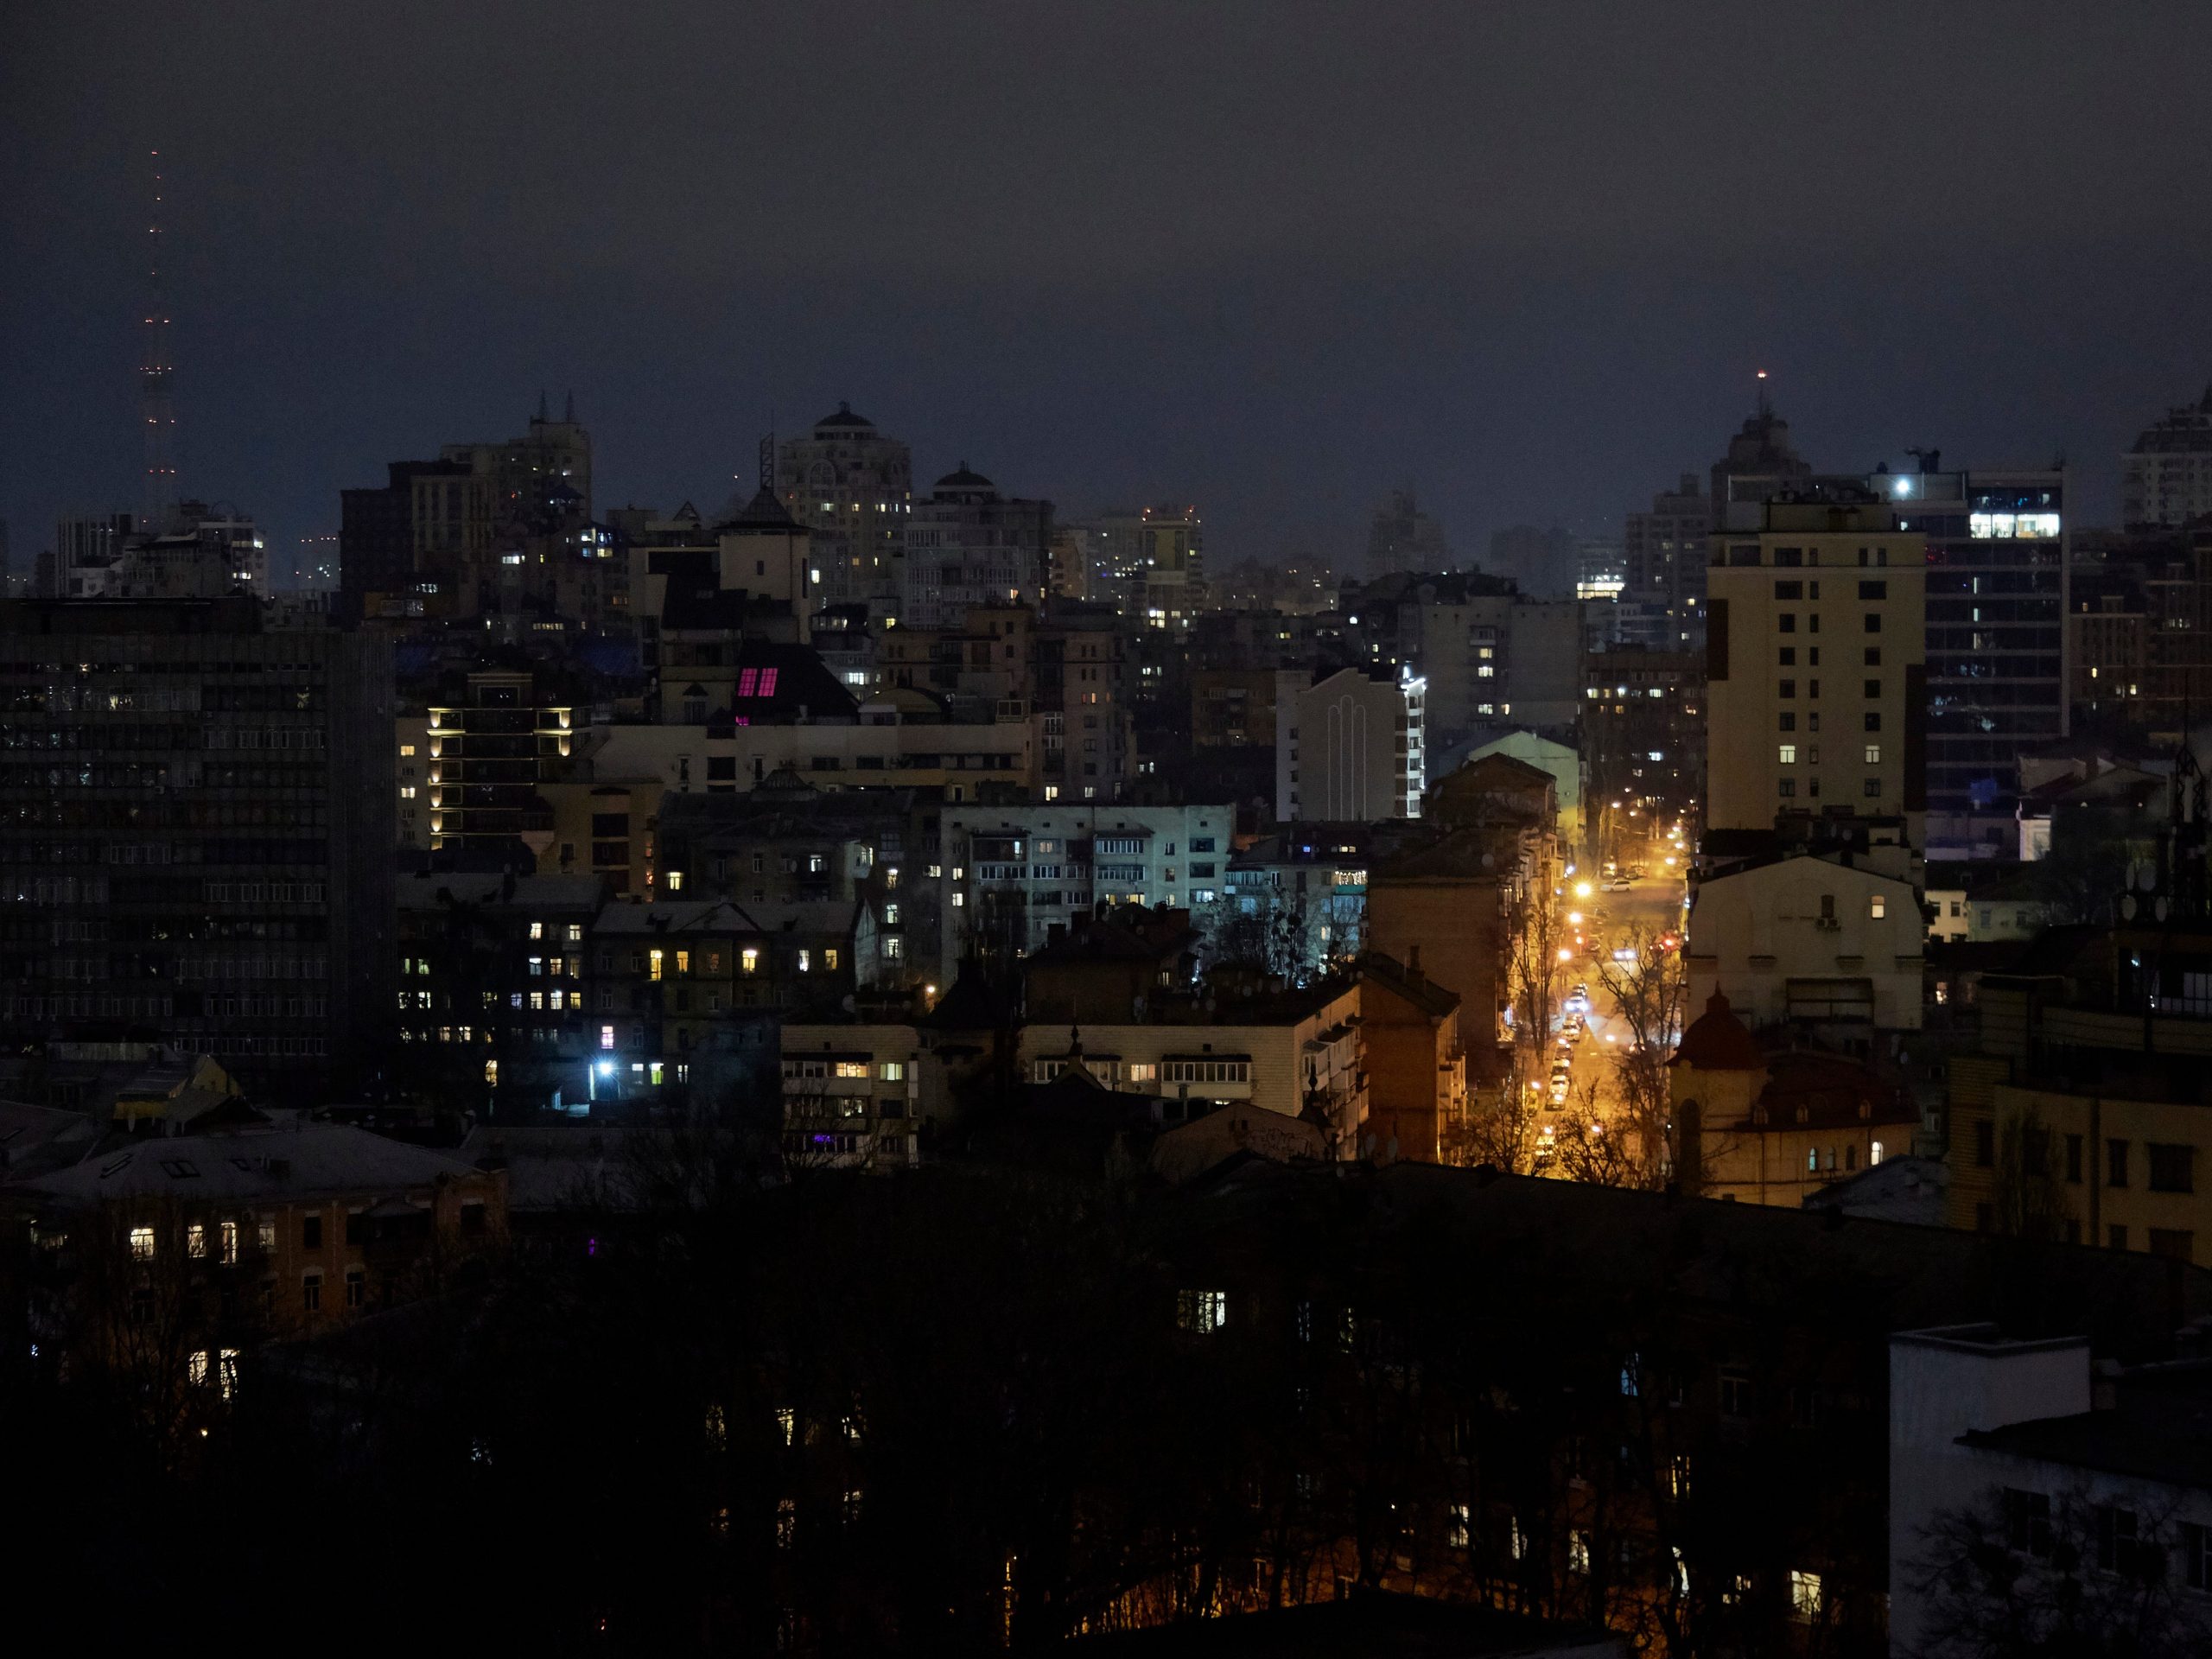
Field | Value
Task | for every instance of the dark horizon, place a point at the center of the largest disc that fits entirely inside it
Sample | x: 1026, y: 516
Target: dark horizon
x: 1531, y: 264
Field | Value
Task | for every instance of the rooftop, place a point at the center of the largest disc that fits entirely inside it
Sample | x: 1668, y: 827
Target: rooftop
x: 1409, y: 983
x: 1369, y: 1626
x: 1717, y: 1041
x: 262, y: 1163
x: 2150, y: 1433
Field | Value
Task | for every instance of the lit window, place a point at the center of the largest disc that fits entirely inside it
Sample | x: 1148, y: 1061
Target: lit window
x: 894, y: 1070
x: 829, y: 961
x: 537, y: 930
x: 1203, y: 1311
x: 852, y: 1068
x: 675, y: 880
x: 1878, y: 907
x: 607, y: 1036
x: 1805, y: 1602
x: 1873, y: 755
x: 142, y: 1243
x: 1789, y: 754
x: 1578, y: 1552
x: 806, y: 962
x: 654, y: 970
x: 750, y: 961
x: 228, y: 1233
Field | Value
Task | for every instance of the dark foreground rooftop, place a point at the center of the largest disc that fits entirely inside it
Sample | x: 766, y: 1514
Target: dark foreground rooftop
x: 1370, y: 1623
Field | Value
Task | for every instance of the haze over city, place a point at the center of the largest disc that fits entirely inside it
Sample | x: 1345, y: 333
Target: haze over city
x: 1130, y: 829
x: 1273, y: 259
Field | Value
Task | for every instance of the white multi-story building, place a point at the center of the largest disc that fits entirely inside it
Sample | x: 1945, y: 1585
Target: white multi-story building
x: 1013, y: 873
x: 854, y: 490
x: 1296, y: 1053
x: 2167, y: 477
x: 1350, y: 748
x: 2087, y: 1480
x: 968, y: 545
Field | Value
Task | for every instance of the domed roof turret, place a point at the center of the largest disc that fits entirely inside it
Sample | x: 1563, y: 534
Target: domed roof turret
x: 1717, y: 1041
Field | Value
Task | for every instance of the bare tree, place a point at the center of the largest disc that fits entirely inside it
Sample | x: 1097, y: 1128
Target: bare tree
x: 1589, y: 1150
x: 2041, y: 1574
x: 1645, y: 981
x: 1532, y: 965
x: 1502, y: 1130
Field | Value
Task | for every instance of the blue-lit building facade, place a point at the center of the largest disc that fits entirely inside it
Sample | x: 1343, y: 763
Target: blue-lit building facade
x: 1997, y: 574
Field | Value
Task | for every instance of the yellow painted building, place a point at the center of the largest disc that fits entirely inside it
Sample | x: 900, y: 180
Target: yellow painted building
x: 1816, y: 668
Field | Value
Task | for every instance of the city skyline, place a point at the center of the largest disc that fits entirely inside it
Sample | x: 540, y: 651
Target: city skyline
x: 1536, y: 340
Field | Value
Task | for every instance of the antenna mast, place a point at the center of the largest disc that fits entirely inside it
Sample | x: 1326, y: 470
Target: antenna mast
x: 158, y: 501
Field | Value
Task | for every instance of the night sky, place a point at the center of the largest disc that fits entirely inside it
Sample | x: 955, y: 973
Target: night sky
x: 1269, y: 258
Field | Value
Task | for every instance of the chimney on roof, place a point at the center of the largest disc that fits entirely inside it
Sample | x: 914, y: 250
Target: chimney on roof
x: 1412, y: 962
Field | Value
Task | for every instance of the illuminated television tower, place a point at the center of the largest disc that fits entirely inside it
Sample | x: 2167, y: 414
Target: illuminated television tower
x: 158, y: 501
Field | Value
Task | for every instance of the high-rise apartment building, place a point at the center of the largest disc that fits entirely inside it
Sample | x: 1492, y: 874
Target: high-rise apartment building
x: 468, y: 532
x: 1663, y: 558
x: 1154, y: 563
x: 486, y: 758
x: 1350, y: 745
x: 1491, y: 657
x: 1996, y: 623
x: 2166, y: 476
x: 1759, y: 462
x: 969, y: 545
x: 1816, y: 665
x: 854, y: 490
x: 1403, y: 537
x: 196, y: 836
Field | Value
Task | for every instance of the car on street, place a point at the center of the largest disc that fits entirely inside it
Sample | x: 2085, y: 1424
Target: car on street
x: 1618, y: 884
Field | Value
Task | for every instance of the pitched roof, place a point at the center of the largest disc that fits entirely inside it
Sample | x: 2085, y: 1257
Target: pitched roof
x: 1419, y: 989
x: 1831, y: 1090
x: 765, y: 511
x: 777, y: 682
x: 1717, y: 1041
x: 968, y: 1005
x: 267, y: 1163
